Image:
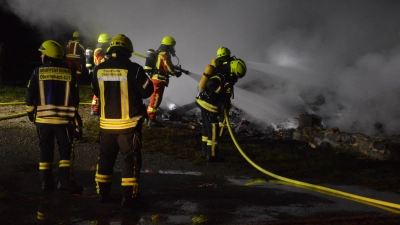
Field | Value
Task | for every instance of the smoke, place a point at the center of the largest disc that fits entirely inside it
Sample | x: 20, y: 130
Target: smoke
x: 337, y: 58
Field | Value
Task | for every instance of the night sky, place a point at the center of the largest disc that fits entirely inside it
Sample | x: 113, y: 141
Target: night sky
x: 341, y: 55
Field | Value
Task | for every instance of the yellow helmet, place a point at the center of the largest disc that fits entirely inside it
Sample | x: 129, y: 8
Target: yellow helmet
x: 52, y: 49
x: 104, y: 38
x: 75, y: 35
x: 122, y: 41
x: 168, y: 40
x: 238, y: 68
x: 223, y: 51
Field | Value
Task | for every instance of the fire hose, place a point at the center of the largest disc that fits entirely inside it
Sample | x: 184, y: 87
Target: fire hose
x: 303, y: 184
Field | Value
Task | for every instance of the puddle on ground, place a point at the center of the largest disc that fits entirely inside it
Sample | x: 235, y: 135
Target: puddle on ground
x: 342, y: 202
x: 184, y: 208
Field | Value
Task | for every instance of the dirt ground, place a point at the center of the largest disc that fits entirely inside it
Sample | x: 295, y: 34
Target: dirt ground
x: 21, y: 197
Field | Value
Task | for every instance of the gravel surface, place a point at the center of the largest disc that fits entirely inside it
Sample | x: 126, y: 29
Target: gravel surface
x: 19, y: 143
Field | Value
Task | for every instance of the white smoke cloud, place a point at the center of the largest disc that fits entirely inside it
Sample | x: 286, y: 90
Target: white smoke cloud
x: 346, y: 51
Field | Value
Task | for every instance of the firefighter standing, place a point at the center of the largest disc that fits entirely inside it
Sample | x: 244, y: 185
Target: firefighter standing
x: 75, y: 54
x: 215, y: 93
x: 121, y: 86
x: 160, y: 78
x: 99, y: 56
x: 52, y: 100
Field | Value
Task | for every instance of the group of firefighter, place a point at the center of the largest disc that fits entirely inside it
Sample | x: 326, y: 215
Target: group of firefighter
x: 119, y: 87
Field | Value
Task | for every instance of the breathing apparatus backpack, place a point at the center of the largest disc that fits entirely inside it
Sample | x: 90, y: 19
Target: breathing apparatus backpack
x: 231, y: 67
x: 151, y: 60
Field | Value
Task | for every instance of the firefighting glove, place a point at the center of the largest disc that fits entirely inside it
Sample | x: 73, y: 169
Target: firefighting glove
x: 178, y: 73
x: 31, y: 116
x: 78, y: 133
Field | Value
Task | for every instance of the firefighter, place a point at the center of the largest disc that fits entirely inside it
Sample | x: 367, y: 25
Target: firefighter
x: 215, y: 93
x: 160, y: 78
x: 75, y: 54
x: 121, y: 86
x: 52, y: 100
x: 99, y: 56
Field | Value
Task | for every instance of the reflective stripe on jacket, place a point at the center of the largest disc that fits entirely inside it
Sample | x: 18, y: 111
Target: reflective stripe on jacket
x: 53, y: 95
x: 120, y: 86
x: 164, y: 68
x: 75, y: 50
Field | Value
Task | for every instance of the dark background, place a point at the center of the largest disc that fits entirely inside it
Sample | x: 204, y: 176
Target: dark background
x: 19, y: 53
x: 20, y: 43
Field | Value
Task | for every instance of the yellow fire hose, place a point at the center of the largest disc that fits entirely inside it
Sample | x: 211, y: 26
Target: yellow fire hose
x: 303, y: 184
x: 138, y: 55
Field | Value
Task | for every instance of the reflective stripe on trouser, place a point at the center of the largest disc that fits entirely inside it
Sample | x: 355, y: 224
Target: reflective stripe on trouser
x: 46, y: 135
x: 210, y: 129
x: 103, y: 182
x: 212, y: 143
x: 156, y: 98
x: 129, y: 146
x: 46, y: 172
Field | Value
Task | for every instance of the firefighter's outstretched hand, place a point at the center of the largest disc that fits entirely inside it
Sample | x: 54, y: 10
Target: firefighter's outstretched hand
x: 178, y: 73
x: 78, y: 133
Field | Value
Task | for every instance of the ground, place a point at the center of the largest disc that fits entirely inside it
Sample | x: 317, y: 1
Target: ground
x: 20, y: 185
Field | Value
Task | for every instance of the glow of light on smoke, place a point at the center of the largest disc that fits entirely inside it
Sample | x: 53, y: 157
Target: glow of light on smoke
x: 346, y: 51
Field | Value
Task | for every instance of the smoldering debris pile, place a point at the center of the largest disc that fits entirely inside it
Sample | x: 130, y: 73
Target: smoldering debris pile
x: 242, y: 125
x: 310, y: 130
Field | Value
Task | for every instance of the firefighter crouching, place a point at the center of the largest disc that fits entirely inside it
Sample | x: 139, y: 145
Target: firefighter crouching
x: 52, y: 100
x: 121, y: 86
x: 215, y: 93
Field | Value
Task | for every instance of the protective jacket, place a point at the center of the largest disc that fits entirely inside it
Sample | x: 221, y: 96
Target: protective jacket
x: 164, y: 68
x: 100, y: 53
x: 126, y: 84
x: 52, y: 96
x: 219, y: 89
x: 75, y: 54
x: 75, y: 50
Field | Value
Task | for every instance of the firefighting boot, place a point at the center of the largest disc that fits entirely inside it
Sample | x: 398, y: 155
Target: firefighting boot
x: 47, y: 180
x: 204, y: 147
x: 66, y: 182
x: 154, y: 123
x: 213, y: 157
x: 104, y: 192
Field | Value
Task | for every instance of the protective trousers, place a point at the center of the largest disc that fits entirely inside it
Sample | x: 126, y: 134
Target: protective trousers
x: 75, y: 63
x: 129, y: 146
x: 64, y: 136
x: 210, y: 132
x: 156, y: 98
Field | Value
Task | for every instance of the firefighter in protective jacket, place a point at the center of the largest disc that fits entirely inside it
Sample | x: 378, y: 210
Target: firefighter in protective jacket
x: 160, y: 78
x: 121, y: 86
x: 215, y: 93
x: 75, y: 54
x: 99, y: 56
x: 52, y: 100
